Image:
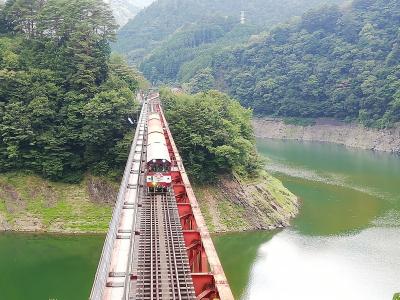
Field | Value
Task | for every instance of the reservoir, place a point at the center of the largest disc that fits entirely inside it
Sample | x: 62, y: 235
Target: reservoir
x: 44, y: 267
x: 345, y: 243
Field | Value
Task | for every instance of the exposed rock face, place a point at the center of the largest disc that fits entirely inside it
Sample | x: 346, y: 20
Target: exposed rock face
x: 235, y: 205
x: 100, y: 191
x: 124, y: 10
x: 4, y: 226
x: 351, y: 135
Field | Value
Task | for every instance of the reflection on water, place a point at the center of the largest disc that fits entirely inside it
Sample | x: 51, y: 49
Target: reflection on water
x: 345, y: 243
x: 339, y: 180
x: 362, y: 266
x: 237, y: 252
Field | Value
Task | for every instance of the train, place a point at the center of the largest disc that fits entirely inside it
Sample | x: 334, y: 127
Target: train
x: 158, y: 160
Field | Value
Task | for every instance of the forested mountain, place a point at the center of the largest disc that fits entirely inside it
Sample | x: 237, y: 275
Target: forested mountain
x: 342, y: 63
x: 63, y: 101
x: 191, y: 49
x: 164, y: 17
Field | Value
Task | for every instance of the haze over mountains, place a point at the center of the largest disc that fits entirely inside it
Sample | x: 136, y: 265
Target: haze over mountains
x: 332, y: 61
x: 124, y: 10
x: 163, y: 18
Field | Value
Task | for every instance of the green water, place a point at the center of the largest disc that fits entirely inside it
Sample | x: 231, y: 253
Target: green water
x: 345, y: 243
x: 42, y: 267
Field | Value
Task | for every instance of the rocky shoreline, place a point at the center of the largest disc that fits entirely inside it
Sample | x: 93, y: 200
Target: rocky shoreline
x: 31, y: 204
x: 235, y: 204
x: 331, y: 131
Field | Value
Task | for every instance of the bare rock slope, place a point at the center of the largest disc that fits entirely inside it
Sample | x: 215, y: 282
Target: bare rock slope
x: 350, y: 135
x: 236, y: 205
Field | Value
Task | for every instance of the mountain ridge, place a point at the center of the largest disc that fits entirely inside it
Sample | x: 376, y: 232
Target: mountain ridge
x: 163, y: 18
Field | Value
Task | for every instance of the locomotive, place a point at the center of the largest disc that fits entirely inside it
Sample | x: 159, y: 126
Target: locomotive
x: 158, y: 161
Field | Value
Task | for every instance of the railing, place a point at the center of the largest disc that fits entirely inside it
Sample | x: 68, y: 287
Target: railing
x: 134, y: 222
x: 105, y: 259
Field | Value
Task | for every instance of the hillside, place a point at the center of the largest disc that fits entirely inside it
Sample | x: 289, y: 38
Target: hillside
x: 233, y: 204
x: 30, y: 203
x: 333, y: 62
x: 215, y: 138
x: 155, y: 23
x: 190, y: 49
x: 64, y: 100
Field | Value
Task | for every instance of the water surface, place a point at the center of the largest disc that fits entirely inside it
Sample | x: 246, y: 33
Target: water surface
x: 42, y: 267
x: 345, y: 243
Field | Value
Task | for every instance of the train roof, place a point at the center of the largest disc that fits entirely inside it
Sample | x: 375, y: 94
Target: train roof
x: 153, y: 116
x: 154, y: 127
x: 155, y: 137
x: 157, y: 151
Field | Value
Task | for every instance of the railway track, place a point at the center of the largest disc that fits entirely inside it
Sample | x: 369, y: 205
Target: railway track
x: 162, y: 265
x: 150, y: 253
x: 160, y: 261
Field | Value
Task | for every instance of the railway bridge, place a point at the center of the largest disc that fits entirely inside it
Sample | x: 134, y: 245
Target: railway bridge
x: 157, y: 246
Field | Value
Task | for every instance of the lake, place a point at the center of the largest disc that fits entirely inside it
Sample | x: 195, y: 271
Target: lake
x: 345, y: 243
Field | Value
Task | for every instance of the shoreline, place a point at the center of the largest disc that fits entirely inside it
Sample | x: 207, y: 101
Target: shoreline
x: 53, y: 233
x: 31, y: 204
x: 331, y: 131
x: 233, y: 205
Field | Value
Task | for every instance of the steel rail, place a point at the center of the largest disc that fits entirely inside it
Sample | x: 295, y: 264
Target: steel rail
x: 173, y: 249
x: 169, y: 242
x: 182, y: 253
x: 103, y: 268
x: 139, y: 195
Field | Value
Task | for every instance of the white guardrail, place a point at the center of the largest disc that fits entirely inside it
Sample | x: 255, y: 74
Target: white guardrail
x: 103, y: 268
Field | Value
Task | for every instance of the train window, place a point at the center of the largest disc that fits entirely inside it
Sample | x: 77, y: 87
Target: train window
x: 159, y: 167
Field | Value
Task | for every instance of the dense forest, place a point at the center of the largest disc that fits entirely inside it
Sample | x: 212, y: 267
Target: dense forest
x: 64, y: 101
x: 191, y: 49
x: 156, y: 25
x: 333, y: 62
x: 213, y: 133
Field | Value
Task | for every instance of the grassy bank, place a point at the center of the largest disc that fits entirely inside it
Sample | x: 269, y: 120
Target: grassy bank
x: 30, y: 203
x: 237, y: 204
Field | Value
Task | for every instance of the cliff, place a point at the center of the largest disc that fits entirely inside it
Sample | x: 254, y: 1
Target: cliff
x: 234, y: 204
x: 327, y: 130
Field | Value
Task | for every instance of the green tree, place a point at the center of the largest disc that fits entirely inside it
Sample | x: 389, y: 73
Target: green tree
x: 213, y: 133
x: 64, y: 101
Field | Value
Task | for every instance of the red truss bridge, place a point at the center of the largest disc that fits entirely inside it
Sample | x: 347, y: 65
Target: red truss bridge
x: 158, y: 245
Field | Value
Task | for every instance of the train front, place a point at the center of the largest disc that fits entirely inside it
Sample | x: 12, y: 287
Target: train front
x: 158, y: 176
